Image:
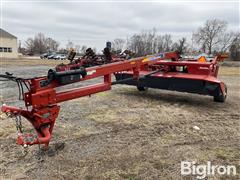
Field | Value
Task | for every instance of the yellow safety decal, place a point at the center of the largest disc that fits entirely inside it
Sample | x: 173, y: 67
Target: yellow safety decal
x: 145, y: 60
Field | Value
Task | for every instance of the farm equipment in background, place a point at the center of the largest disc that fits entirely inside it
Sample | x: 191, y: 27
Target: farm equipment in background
x: 163, y: 71
x: 90, y: 58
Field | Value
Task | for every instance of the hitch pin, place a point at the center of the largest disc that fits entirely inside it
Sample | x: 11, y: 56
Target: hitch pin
x: 24, y: 150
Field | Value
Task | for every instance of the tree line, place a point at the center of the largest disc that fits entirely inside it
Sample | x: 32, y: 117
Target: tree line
x: 211, y: 38
x: 41, y: 44
x: 38, y: 45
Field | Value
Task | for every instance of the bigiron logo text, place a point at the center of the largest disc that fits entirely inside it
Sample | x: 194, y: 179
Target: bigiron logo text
x: 203, y: 170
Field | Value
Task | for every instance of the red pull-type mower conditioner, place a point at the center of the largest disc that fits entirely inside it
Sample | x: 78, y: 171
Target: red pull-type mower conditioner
x: 184, y: 75
x: 162, y: 71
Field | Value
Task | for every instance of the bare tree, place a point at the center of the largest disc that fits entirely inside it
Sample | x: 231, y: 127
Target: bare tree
x: 51, y: 44
x: 159, y: 44
x: 163, y: 43
x: 235, y: 48
x: 40, y: 44
x: 69, y: 45
x: 226, y: 41
x: 180, y: 46
x: 118, y: 44
x: 210, y: 34
x: 136, y: 45
x: 148, y: 37
x: 143, y: 43
x: 148, y: 42
x: 167, y: 42
x: 29, y: 44
x: 83, y: 49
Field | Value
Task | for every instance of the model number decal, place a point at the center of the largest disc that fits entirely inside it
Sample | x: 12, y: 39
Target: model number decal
x: 203, y: 68
x: 91, y: 72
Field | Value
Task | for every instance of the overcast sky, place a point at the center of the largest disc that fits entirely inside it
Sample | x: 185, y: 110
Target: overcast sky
x: 93, y: 24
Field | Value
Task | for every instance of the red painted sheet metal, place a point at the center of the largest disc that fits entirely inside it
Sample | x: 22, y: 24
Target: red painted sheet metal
x: 180, y: 75
x: 83, y: 91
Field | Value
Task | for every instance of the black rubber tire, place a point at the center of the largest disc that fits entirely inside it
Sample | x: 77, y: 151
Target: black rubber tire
x: 142, y: 88
x: 221, y: 97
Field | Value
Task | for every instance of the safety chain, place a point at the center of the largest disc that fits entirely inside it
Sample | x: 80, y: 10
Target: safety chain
x: 19, y: 127
x: 18, y: 121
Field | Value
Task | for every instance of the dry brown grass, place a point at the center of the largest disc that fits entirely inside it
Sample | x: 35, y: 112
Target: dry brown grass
x: 30, y: 62
x: 229, y: 71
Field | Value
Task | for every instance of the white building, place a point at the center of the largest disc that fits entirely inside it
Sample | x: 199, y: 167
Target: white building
x: 8, y: 45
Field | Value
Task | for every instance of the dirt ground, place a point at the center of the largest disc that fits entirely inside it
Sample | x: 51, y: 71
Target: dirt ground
x: 124, y: 133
